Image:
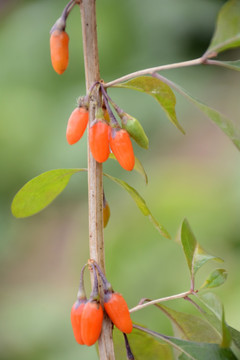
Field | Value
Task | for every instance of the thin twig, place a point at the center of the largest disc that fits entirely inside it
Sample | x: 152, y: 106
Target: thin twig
x: 152, y: 70
x: 168, y: 298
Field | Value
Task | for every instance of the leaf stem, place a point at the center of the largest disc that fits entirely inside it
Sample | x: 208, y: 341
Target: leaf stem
x: 167, y: 298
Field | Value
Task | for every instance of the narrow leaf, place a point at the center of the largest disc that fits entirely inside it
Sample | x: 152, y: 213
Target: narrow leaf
x: 215, y: 315
x: 216, y: 278
x: 192, y: 327
x: 189, y: 243
x: 39, y: 192
x: 196, y: 257
x: 140, y: 202
x: 194, y: 350
x: 235, y: 336
x: 227, y: 32
x: 137, y: 167
x: 201, y: 257
x: 225, y: 124
x: 160, y: 91
x: 143, y: 346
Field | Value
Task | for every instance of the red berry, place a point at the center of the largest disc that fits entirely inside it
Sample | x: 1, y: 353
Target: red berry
x: 76, y: 317
x: 121, y: 146
x: 59, y: 50
x: 117, y: 309
x: 77, y: 124
x: 91, y: 322
x: 99, y: 141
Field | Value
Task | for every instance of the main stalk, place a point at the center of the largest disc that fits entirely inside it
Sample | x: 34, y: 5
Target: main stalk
x: 95, y: 185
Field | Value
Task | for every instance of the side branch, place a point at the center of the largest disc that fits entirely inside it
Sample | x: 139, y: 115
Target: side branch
x: 167, y: 298
x: 150, y: 71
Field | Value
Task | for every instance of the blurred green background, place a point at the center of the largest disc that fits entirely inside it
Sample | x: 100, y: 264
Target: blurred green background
x: 195, y: 176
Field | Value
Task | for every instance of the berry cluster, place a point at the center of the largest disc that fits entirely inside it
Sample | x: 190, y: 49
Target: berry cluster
x: 87, y: 315
x: 105, y: 134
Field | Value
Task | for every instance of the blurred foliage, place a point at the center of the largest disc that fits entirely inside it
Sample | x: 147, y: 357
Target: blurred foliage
x: 196, y: 175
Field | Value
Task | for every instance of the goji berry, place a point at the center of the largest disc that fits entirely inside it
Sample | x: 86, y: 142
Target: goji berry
x: 117, y: 309
x: 99, y: 141
x: 59, y: 50
x: 91, y: 322
x: 76, y: 317
x: 77, y: 124
x: 121, y: 146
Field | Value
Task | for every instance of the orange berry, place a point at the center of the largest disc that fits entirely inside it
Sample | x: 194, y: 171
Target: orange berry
x: 76, y: 316
x: 77, y: 124
x: 59, y: 50
x: 121, y: 146
x: 117, y: 309
x: 99, y: 141
x: 91, y: 322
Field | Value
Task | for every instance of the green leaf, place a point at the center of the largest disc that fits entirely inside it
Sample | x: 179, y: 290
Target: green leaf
x: 160, y: 91
x: 137, y: 167
x: 214, y: 313
x: 225, y: 124
x: 227, y: 32
x: 39, y: 192
x: 235, y: 336
x: 192, y: 327
x: 141, y: 204
x: 194, y: 350
x: 196, y: 257
x: 216, y: 278
x: 143, y: 346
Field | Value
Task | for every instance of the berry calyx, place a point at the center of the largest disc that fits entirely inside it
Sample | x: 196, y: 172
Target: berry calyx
x: 59, y: 50
x: 91, y: 322
x: 77, y: 124
x: 99, y: 140
x: 117, y: 309
x: 121, y: 146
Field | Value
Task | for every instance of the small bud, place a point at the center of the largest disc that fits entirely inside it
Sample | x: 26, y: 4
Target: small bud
x: 135, y: 130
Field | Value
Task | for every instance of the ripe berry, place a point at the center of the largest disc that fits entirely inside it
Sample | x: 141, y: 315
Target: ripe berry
x: 99, y: 141
x: 117, y: 309
x: 121, y: 146
x: 76, y: 317
x: 91, y: 322
x: 59, y: 50
x: 77, y: 124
